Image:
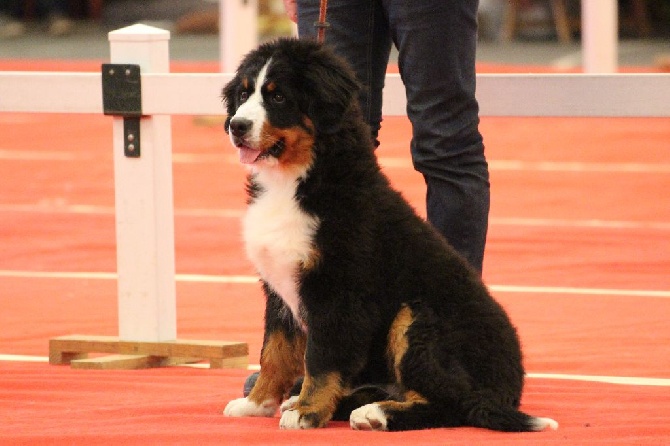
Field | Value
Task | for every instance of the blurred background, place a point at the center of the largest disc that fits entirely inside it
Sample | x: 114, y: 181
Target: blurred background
x: 526, y: 32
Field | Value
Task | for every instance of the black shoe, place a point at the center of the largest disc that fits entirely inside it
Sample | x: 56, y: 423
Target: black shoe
x: 251, y: 382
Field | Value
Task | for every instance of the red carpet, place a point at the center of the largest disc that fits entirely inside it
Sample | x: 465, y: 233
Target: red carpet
x: 579, y: 211
x: 59, y: 406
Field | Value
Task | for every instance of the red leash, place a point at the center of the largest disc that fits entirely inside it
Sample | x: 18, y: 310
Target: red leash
x: 321, y: 25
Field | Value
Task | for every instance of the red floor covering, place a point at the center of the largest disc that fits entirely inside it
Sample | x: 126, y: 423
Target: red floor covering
x: 578, y: 252
x: 49, y: 405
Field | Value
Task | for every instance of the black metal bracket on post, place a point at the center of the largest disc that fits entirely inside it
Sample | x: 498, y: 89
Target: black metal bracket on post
x: 122, y: 96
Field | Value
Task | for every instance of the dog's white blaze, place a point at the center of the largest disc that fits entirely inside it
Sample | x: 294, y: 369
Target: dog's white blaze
x: 279, y: 235
x: 253, y: 109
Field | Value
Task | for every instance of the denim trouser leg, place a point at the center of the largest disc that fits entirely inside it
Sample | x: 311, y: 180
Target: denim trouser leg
x: 358, y: 32
x: 436, y: 40
x: 437, y: 44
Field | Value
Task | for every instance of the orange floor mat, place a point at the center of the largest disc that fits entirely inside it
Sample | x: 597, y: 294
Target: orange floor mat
x: 59, y: 406
x: 578, y: 252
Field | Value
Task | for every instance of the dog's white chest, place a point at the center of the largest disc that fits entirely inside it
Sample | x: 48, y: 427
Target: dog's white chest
x: 279, y: 238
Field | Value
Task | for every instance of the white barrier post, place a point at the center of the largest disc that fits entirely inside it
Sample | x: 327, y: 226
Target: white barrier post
x: 144, y: 224
x: 238, y: 31
x: 144, y: 204
x: 599, y: 36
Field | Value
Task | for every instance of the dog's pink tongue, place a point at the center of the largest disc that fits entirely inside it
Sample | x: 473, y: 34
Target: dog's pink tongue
x: 247, y: 155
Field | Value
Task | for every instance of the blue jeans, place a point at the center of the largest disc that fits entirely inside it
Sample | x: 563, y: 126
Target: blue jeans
x: 436, y: 40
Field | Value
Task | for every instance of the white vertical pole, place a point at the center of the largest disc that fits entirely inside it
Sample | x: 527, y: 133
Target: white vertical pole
x: 238, y: 31
x: 599, y: 36
x: 144, y: 203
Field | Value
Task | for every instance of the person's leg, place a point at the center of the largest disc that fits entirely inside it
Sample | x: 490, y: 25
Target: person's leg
x: 437, y: 43
x: 359, y: 33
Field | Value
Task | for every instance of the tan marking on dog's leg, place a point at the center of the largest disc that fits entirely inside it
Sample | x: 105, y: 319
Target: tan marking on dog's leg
x: 317, y: 402
x: 410, y: 398
x: 282, y: 362
x: 397, y: 340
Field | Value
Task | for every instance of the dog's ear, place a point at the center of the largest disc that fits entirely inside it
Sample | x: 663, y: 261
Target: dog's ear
x: 331, y: 87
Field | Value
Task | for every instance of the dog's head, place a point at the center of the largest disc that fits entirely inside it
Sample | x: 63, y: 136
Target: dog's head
x: 283, y: 95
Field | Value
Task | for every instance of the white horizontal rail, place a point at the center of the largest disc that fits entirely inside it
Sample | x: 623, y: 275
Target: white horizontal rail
x: 624, y: 95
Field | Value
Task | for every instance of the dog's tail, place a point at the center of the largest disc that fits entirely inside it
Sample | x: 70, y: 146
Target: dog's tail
x: 507, y: 419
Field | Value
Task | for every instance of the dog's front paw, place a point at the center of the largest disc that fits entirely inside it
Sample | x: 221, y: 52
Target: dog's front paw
x: 293, y: 419
x: 290, y: 419
x: 368, y: 418
x: 242, y: 407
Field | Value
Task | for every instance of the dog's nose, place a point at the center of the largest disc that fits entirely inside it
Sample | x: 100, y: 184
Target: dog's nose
x: 240, y: 126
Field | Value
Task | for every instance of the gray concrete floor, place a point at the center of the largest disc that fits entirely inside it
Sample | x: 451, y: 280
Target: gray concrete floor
x: 89, y: 41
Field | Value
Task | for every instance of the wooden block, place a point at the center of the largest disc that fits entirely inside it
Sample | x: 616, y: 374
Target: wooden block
x: 180, y: 348
x: 90, y: 344
x: 57, y: 357
x: 240, y: 362
x: 118, y: 362
x: 129, y: 362
x: 73, y: 350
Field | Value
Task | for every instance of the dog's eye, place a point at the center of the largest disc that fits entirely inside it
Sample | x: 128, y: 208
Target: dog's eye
x: 244, y: 95
x: 278, y: 98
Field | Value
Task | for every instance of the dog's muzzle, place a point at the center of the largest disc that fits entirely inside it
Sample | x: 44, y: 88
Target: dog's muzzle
x: 239, y: 127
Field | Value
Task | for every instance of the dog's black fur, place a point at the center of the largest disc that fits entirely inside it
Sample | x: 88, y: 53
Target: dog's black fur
x: 388, y: 312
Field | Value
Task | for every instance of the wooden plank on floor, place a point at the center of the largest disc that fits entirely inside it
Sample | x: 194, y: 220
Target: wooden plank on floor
x: 73, y: 349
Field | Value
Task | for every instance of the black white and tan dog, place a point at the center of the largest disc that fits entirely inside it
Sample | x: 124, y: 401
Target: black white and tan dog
x: 389, y: 326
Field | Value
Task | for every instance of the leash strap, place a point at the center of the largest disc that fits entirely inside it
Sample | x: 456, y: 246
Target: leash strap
x: 321, y: 25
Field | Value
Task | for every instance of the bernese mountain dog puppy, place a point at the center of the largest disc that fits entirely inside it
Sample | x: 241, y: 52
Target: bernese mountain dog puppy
x: 388, y: 325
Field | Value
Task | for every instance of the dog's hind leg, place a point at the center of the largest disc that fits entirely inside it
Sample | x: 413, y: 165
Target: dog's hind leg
x: 414, y: 412
x: 438, y: 393
x: 418, y: 373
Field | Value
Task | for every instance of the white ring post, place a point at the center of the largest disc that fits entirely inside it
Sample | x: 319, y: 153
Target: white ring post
x: 599, y: 36
x: 238, y: 31
x: 144, y: 203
